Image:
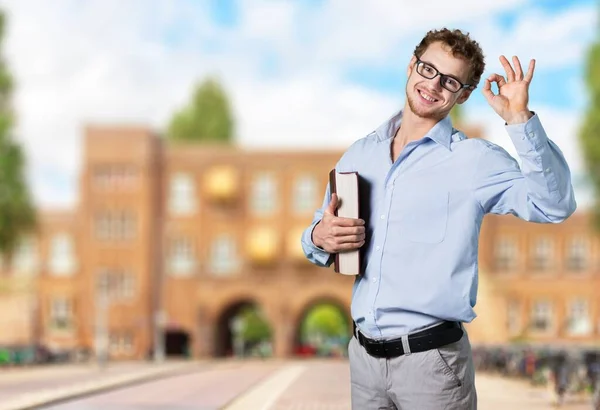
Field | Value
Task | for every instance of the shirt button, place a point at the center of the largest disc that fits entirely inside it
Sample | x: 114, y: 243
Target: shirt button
x: 547, y: 170
x: 530, y: 134
x: 382, y: 216
x: 377, y: 248
x: 374, y: 280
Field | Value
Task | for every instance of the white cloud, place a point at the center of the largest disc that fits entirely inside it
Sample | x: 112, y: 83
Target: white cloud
x: 107, y: 61
x: 554, y: 40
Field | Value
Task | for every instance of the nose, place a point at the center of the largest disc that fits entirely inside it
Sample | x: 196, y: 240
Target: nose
x: 436, y: 83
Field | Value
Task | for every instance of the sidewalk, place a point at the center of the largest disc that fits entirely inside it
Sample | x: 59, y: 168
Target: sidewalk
x: 32, y: 388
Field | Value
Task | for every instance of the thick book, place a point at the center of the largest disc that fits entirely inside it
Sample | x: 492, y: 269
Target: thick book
x: 345, y: 185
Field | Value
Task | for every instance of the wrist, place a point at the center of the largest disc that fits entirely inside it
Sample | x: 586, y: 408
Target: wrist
x: 315, y: 237
x: 519, y: 118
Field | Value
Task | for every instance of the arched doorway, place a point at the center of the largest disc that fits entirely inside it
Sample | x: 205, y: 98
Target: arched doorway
x: 323, y: 330
x: 243, y: 331
x: 177, y: 342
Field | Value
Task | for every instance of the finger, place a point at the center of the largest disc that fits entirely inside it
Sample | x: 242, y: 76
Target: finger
x: 529, y: 76
x: 348, y: 222
x: 487, y: 90
x: 349, y: 246
x: 333, y: 204
x: 518, y: 69
x: 510, y: 74
x: 498, y: 79
x: 349, y: 239
x: 343, y: 231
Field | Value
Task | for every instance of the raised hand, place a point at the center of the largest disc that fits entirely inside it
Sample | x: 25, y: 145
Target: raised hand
x: 334, y: 234
x: 513, y: 91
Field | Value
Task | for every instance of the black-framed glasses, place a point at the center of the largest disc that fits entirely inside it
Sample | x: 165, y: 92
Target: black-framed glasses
x: 449, y: 82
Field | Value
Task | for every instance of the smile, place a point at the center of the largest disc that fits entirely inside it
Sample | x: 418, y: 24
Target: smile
x: 427, y: 97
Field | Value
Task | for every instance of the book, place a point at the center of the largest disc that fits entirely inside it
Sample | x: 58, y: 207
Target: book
x: 345, y: 185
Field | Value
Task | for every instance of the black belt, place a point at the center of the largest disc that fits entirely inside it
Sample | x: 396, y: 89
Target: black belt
x: 441, y: 335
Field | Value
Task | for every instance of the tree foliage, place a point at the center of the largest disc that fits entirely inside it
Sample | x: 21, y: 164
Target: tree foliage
x: 326, y: 320
x: 207, y: 117
x: 17, y: 214
x: 456, y: 114
x: 590, y: 130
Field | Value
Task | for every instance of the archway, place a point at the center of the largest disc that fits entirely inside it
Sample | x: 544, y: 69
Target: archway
x: 323, y: 330
x: 177, y: 342
x: 243, y: 331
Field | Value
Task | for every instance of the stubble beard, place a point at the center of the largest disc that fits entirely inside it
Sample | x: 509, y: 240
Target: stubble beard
x: 430, y: 115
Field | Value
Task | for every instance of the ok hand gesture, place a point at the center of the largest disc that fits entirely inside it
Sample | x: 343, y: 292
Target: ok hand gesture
x: 513, y: 92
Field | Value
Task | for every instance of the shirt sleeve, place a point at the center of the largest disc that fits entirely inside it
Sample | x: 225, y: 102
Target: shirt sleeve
x: 313, y: 253
x: 538, y: 191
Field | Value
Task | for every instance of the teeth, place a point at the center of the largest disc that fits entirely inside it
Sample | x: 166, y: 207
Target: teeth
x: 427, y: 97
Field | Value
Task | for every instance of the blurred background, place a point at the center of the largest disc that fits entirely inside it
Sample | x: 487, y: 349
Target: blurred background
x: 159, y: 160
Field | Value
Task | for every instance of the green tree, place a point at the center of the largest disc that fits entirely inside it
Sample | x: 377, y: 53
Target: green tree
x: 17, y: 214
x: 456, y: 114
x: 207, y: 118
x: 256, y: 327
x: 590, y: 130
x: 326, y: 320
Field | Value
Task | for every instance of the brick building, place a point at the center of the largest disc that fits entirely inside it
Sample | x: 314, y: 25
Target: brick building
x: 195, y: 232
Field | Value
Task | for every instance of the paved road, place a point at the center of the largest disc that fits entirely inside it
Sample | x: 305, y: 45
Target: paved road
x: 299, y: 385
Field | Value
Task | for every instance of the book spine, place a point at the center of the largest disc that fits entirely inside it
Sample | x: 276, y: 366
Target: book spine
x: 332, y: 190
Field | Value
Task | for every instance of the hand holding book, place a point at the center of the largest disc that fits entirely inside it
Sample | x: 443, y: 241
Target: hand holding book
x: 334, y: 234
x: 337, y: 232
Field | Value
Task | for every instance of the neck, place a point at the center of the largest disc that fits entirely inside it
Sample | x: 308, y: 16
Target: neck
x: 413, y: 127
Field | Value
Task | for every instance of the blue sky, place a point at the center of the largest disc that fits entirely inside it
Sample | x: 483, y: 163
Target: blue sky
x: 553, y: 86
x: 313, y: 74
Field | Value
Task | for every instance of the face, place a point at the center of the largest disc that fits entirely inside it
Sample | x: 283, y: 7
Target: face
x: 426, y: 97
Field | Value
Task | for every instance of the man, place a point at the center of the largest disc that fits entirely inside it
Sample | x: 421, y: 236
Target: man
x: 429, y: 188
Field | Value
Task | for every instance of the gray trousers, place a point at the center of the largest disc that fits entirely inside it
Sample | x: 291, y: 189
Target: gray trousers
x: 436, y: 379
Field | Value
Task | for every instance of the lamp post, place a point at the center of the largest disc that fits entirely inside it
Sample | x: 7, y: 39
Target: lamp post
x: 103, y: 289
x: 237, y: 326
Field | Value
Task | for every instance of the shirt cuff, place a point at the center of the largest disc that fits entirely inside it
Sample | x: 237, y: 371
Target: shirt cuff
x: 528, y: 136
x: 313, y: 251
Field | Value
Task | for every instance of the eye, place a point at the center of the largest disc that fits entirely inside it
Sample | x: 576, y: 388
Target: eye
x: 451, y: 82
x: 428, y: 69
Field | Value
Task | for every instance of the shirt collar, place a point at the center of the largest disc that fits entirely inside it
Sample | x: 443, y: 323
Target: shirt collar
x: 440, y: 133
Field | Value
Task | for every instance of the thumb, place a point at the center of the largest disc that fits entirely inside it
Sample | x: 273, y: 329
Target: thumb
x: 487, y: 90
x: 333, y: 204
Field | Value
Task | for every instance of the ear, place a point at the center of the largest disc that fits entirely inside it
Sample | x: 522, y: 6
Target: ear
x: 411, y: 65
x: 464, y: 96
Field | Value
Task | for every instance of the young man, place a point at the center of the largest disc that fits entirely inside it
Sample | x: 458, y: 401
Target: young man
x: 429, y: 188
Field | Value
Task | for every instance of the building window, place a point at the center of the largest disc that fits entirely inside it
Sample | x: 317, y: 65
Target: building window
x: 542, y: 254
x: 577, y: 254
x: 305, y: 194
x: 26, y: 259
x: 109, y: 177
x: 182, y: 194
x: 223, y: 255
x: 542, y: 316
x: 181, y: 261
x: 115, y: 225
x: 505, y: 254
x: 62, y: 255
x: 513, y: 317
x: 61, y: 313
x: 117, y: 284
x: 264, y: 195
x: 578, y: 321
x: 121, y: 343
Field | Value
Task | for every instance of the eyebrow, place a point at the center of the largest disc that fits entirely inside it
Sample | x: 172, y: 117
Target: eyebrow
x: 447, y: 75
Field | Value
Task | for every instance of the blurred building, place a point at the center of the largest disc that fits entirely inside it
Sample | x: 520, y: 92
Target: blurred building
x: 179, y: 237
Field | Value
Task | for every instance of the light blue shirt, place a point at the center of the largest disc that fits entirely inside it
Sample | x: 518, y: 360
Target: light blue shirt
x: 424, y: 214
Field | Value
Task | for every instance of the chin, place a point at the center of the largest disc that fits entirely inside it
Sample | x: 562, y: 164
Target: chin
x: 423, y: 111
